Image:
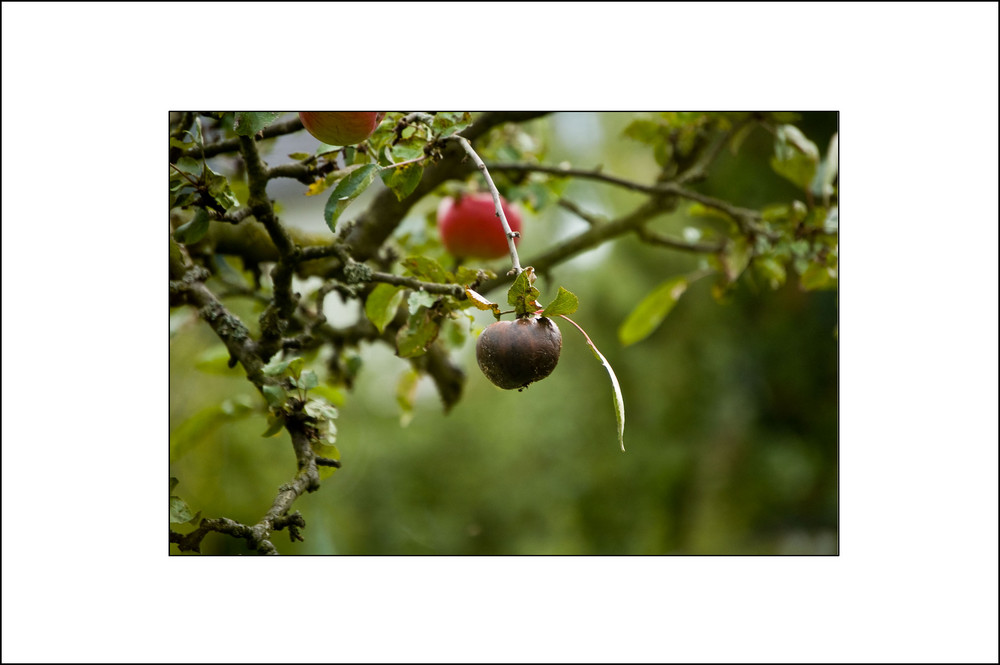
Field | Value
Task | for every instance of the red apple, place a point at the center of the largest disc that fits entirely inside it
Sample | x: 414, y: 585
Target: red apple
x: 341, y: 127
x: 469, y: 226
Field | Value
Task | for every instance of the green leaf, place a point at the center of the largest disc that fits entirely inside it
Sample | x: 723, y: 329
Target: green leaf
x: 776, y: 213
x: 276, y: 367
x: 183, y: 199
x: 649, y: 132
x: 565, y: 303
x: 700, y: 210
x: 736, y: 258
x: 799, y: 170
x: 418, y: 333
x: 425, y: 269
x: 740, y: 136
x: 522, y: 295
x: 275, y: 422
x: 173, y: 484
x: 299, y: 156
x: 308, y: 380
x: 219, y: 189
x: 275, y: 395
x: 615, y: 386
x: 408, y: 149
x: 446, y: 123
x: 179, y: 511
x: 295, y: 366
x: 346, y: 191
x: 320, y: 409
x: 195, y: 230
x: 832, y: 221
x: 822, y: 184
x: 818, y: 277
x: 418, y: 299
x: 772, y: 270
x: 333, y: 395
x: 382, y: 303
x: 178, y: 181
x: 796, y: 158
x: 248, y: 123
x: 189, y: 165
x: 406, y: 395
x: 663, y: 153
x: 327, y: 430
x: 651, y: 311
x: 465, y: 276
x: 405, y: 179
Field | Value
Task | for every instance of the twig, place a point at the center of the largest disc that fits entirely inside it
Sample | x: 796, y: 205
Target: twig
x: 580, y: 212
x: 454, y: 290
x: 663, y: 241
x: 590, y: 174
x: 231, y: 216
x: 515, y: 262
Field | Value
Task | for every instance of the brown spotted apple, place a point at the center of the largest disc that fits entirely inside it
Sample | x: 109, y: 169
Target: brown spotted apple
x: 513, y: 354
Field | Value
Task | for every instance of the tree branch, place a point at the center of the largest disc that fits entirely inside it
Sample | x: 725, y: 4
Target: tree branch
x: 589, y: 239
x: 228, y: 327
x: 304, y: 173
x: 233, y: 145
x: 673, y: 188
x: 274, y: 319
x: 192, y: 542
x: 457, y: 291
x: 259, y: 204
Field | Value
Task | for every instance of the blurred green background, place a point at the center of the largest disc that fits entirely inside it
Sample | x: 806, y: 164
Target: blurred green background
x: 731, y: 408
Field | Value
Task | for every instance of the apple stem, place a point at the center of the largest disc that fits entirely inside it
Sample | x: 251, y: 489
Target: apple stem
x: 515, y: 261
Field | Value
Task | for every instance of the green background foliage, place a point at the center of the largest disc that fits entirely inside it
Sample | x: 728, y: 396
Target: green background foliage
x: 731, y: 401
